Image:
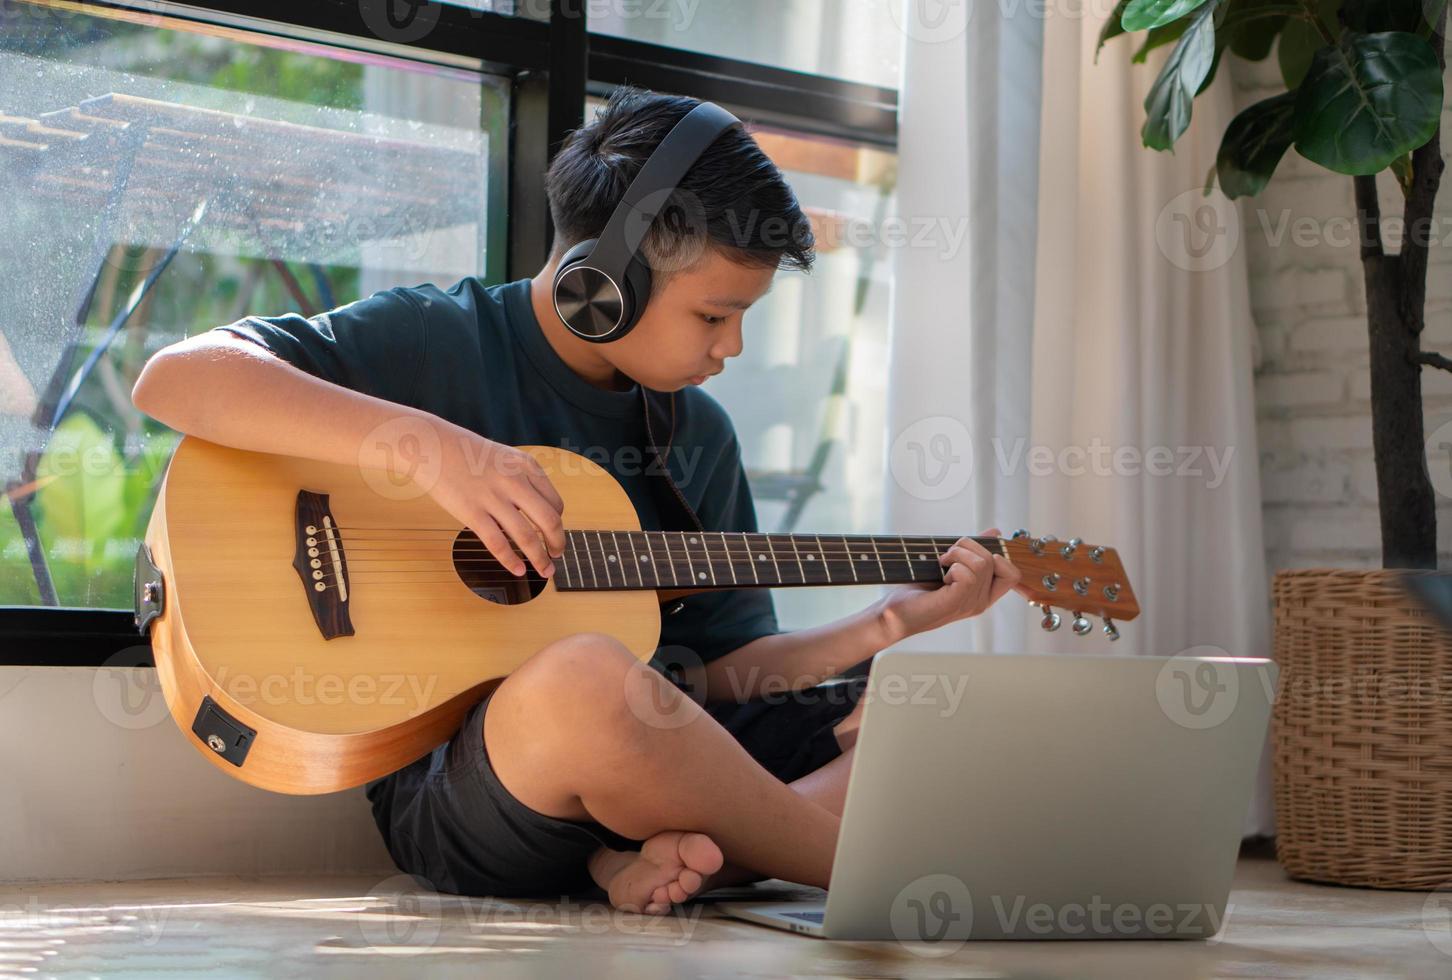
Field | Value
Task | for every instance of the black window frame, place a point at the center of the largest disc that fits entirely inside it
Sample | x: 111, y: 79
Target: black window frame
x: 551, y: 65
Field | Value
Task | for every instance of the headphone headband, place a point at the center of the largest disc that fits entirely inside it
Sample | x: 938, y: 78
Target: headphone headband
x: 662, y: 171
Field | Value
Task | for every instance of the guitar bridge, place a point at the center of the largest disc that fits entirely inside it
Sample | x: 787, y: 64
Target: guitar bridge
x: 322, y: 564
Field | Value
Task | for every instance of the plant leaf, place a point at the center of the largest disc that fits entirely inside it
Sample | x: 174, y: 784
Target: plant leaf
x: 1401, y: 168
x: 1367, y: 101
x: 1252, y: 33
x: 1168, y: 104
x: 1253, y: 145
x: 1143, y: 15
x: 1375, y: 16
x: 1112, y: 27
x: 1158, y: 37
x: 1299, y: 43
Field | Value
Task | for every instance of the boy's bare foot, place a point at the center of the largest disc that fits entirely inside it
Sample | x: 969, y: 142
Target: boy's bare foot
x: 670, y: 867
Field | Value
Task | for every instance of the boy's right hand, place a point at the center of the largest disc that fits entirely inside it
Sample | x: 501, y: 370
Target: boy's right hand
x: 503, y: 495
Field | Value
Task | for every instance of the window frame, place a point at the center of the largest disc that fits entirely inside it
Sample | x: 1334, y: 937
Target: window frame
x: 550, y: 66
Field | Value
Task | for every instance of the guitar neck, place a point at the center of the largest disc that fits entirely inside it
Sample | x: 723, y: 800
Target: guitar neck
x: 600, y: 560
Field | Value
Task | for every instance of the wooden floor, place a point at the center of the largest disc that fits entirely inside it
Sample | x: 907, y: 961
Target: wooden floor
x: 357, y: 927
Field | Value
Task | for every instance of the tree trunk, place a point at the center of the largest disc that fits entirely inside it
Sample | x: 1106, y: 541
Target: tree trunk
x: 1404, y: 490
x: 1396, y: 301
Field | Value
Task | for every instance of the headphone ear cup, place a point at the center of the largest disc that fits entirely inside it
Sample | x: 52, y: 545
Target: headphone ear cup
x: 575, y: 254
x: 638, y: 283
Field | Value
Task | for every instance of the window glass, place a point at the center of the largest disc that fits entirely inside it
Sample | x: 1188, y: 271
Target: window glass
x: 808, y: 394
x: 161, y: 178
x: 857, y: 42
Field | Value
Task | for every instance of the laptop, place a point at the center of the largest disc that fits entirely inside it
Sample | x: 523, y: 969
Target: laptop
x: 1041, y: 796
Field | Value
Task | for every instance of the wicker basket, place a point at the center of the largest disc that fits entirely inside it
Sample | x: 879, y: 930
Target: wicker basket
x: 1362, y: 729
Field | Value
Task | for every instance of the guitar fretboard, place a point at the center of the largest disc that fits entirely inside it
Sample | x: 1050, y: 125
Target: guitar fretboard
x: 595, y: 560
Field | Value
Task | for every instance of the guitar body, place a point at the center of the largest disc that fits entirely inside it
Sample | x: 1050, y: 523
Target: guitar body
x: 240, y: 646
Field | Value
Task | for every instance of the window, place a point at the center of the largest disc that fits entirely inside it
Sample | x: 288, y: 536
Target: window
x: 162, y: 177
x: 857, y: 42
x: 167, y: 168
x: 808, y: 394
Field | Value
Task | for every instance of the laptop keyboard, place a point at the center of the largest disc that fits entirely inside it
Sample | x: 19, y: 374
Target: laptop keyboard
x: 805, y: 916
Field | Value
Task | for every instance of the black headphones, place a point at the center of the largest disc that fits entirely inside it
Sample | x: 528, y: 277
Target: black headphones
x: 602, y: 284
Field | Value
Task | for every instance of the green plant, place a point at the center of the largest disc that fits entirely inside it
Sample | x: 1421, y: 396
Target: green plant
x: 1363, y: 94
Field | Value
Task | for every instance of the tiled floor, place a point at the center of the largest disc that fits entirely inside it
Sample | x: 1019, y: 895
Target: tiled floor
x: 359, y: 927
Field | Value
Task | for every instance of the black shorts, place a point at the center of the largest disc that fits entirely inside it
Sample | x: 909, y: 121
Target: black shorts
x: 447, y: 819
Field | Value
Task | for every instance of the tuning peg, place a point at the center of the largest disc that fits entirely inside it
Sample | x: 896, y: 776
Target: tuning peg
x: 1111, y: 591
x: 1080, y: 626
x: 1020, y: 533
x: 1096, y: 553
x: 1051, y: 620
x: 1068, y: 549
x: 1110, y: 630
x: 1037, y: 545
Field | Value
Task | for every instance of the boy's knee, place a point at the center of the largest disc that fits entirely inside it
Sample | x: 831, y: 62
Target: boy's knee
x: 580, y: 670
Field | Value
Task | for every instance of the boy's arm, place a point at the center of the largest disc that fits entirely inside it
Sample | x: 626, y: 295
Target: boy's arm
x: 973, y: 580
x: 798, y: 658
x: 232, y: 392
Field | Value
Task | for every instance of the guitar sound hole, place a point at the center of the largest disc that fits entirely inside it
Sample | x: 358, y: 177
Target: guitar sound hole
x: 488, y: 579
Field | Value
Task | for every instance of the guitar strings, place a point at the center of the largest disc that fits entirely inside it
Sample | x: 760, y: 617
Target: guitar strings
x: 837, y: 549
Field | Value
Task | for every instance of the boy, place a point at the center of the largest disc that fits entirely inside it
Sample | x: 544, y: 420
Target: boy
x: 587, y: 766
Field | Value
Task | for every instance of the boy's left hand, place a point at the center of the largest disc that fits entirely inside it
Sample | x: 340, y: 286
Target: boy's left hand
x: 973, y: 580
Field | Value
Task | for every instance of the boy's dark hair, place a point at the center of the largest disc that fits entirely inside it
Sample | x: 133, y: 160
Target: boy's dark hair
x: 733, y: 198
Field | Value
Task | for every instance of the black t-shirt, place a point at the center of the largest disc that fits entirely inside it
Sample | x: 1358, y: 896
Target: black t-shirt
x: 475, y: 355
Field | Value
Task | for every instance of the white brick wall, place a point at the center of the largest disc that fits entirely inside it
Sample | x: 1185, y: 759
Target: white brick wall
x: 1312, y: 389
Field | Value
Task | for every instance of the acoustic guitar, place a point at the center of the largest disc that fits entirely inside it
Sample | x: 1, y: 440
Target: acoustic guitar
x: 316, y: 626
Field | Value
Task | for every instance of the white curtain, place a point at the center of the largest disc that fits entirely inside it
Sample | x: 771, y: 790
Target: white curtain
x: 1117, y: 405
x: 961, y: 336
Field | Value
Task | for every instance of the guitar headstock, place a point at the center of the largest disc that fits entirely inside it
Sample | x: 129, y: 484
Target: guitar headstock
x: 1084, y: 579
